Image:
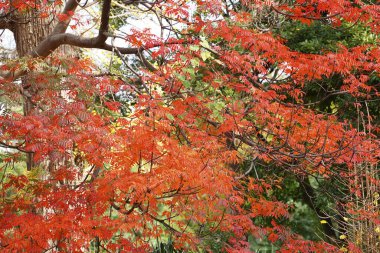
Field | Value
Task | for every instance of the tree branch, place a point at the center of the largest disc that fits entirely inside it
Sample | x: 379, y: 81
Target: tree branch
x: 18, y: 147
x: 104, y: 22
x: 146, y: 63
x: 309, y: 196
x: 69, y: 8
x: 5, y: 21
x: 4, y: 24
x: 58, y: 38
x: 304, y: 15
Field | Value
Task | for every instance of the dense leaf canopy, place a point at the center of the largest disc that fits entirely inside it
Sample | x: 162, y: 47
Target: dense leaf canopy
x: 198, y: 133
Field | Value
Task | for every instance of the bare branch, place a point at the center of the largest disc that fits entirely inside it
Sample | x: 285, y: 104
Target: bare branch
x: 18, y: 147
x: 304, y: 15
x: 104, y: 22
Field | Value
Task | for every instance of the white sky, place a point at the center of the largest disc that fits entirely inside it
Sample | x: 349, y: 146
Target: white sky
x: 6, y: 40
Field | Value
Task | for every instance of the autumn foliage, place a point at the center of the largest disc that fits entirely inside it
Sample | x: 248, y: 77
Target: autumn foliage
x: 167, y: 153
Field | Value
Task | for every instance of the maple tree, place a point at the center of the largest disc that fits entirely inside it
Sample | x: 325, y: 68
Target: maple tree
x: 170, y: 148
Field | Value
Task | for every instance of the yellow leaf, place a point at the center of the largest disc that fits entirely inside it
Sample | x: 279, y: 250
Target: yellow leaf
x: 343, y: 249
x: 323, y: 222
x: 345, y: 218
x: 377, y: 230
x: 342, y: 237
x: 205, y: 55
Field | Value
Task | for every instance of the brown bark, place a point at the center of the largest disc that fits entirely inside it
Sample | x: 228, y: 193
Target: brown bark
x: 29, y: 29
x: 5, y: 21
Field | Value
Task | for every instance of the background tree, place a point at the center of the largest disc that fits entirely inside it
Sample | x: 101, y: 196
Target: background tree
x: 228, y: 111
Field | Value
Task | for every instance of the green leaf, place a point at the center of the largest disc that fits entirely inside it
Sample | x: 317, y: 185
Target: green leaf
x: 194, y: 62
x: 170, y: 117
x: 194, y: 47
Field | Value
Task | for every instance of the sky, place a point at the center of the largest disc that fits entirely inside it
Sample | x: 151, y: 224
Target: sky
x: 6, y: 40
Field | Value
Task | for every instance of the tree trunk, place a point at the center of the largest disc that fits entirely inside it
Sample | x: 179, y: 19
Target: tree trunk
x: 29, y: 29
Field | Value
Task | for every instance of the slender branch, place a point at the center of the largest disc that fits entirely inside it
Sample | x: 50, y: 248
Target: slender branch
x: 166, y: 225
x: 85, y: 178
x: 18, y: 147
x: 304, y: 15
x: 122, y: 50
x: 146, y: 63
x: 123, y: 210
x: 252, y: 166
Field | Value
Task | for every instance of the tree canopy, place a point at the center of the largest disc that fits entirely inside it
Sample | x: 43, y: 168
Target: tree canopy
x: 208, y: 126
